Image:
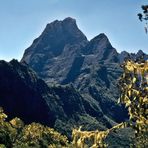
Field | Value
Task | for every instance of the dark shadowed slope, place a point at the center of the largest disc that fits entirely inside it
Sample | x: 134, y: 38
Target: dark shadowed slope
x: 24, y: 95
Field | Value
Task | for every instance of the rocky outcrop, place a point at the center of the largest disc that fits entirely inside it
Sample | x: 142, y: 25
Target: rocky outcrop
x: 125, y: 55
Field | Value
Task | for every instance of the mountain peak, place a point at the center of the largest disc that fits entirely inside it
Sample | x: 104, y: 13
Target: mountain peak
x: 134, y: 56
x: 56, y: 36
x: 64, y: 30
x: 69, y: 20
x: 98, y: 45
x: 101, y: 35
x: 66, y: 21
x: 140, y: 52
x: 101, y: 38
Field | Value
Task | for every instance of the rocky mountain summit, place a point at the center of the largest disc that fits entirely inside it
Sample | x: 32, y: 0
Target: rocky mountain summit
x: 62, y: 55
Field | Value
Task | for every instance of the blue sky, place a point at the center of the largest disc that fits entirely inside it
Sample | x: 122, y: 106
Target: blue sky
x: 21, y: 21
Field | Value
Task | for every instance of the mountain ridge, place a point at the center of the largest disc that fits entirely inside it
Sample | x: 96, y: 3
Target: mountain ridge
x: 91, y: 66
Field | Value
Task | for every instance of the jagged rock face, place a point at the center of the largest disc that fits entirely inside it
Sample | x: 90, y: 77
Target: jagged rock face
x: 101, y: 47
x: 62, y: 49
x: 62, y: 55
x: 55, y: 37
x: 122, y: 56
x: 125, y: 55
x: 58, y: 45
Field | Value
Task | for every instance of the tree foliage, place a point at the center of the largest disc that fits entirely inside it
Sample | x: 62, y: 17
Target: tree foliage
x: 92, y: 139
x: 15, y: 134
x: 134, y: 94
x: 144, y: 16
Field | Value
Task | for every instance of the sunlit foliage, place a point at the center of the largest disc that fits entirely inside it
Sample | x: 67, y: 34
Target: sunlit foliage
x: 37, y: 135
x: 134, y: 94
x: 15, y: 134
x: 92, y: 139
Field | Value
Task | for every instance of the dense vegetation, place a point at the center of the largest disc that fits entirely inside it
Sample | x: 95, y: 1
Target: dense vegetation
x: 134, y: 88
x: 15, y: 134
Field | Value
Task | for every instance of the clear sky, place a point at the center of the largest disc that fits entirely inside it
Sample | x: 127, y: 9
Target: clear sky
x: 21, y: 21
